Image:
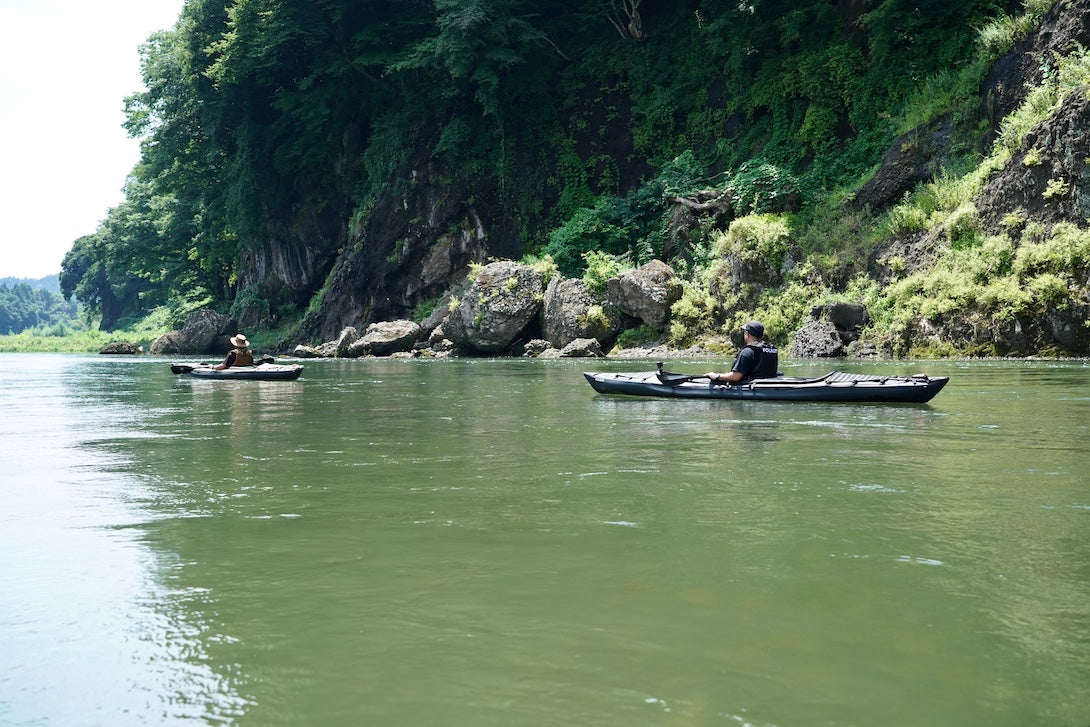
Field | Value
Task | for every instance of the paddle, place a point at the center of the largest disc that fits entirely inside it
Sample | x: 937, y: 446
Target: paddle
x: 185, y: 368
x: 670, y: 379
x: 188, y: 368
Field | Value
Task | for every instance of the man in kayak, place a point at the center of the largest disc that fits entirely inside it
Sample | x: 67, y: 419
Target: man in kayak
x: 238, y: 356
x: 758, y: 359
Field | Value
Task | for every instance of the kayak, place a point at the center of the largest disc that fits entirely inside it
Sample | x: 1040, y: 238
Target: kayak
x: 263, y: 372
x: 833, y: 386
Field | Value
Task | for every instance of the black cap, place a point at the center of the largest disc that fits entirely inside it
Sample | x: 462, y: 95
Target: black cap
x: 755, y: 328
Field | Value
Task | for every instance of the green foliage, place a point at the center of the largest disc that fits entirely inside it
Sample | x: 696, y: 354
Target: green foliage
x: 756, y: 237
x: 600, y: 267
x: 759, y: 186
x: 616, y: 226
x: 1065, y: 252
x: 23, y: 307
x: 543, y: 266
x: 423, y: 309
x: 75, y: 337
x: 633, y: 337
x: 692, y: 315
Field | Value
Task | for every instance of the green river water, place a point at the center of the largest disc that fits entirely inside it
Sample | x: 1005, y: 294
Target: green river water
x: 489, y: 542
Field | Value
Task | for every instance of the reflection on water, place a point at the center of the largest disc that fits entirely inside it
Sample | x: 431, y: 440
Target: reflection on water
x: 490, y: 542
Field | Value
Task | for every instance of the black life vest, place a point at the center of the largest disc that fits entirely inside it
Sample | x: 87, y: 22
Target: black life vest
x: 768, y: 360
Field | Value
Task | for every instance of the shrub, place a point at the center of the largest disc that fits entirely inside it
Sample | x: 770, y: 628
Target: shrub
x: 963, y: 226
x: 1066, y: 250
x: 756, y: 237
x: 544, y: 266
x: 600, y: 267
x: 760, y: 187
x: 692, y: 315
x: 636, y: 337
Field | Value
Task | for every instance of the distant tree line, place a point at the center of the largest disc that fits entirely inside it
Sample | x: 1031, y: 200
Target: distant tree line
x: 23, y: 306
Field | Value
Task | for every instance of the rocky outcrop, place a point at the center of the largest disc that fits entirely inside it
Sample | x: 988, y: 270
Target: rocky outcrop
x: 121, y: 348
x: 572, y: 311
x: 1064, y: 29
x: 913, y: 158
x: 1048, y: 180
x: 204, y: 332
x: 832, y: 328
x: 818, y: 339
x: 497, y: 309
x: 386, y: 338
x: 579, y: 348
x: 345, y: 341
x: 417, y: 243
x: 646, y: 293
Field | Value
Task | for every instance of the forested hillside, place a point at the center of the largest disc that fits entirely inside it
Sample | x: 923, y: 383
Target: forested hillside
x: 32, y: 303
x: 319, y: 163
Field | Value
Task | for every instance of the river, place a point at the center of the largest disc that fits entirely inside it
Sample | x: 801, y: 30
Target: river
x: 489, y: 542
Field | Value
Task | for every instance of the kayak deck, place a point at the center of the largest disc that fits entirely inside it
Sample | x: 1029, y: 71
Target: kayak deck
x: 835, y: 386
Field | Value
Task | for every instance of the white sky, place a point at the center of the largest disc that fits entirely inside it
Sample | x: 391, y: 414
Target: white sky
x: 65, y: 69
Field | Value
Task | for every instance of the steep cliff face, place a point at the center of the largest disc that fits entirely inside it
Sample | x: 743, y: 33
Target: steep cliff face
x: 417, y: 242
x: 1063, y: 29
x: 1048, y: 180
x: 410, y: 249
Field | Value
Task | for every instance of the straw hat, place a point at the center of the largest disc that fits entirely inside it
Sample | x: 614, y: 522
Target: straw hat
x: 239, y: 341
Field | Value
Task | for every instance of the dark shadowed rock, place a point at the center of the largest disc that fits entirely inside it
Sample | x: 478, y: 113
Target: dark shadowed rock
x: 1048, y: 179
x: 913, y: 158
x: 850, y: 317
x: 818, y: 339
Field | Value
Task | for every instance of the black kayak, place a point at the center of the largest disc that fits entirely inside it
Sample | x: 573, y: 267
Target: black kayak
x: 262, y: 372
x: 834, y: 386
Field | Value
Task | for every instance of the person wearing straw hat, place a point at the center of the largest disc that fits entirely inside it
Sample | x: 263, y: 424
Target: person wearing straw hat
x: 758, y: 359
x: 238, y: 356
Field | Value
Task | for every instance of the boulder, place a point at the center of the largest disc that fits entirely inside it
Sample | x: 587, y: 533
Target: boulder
x: 535, y: 348
x: 122, y: 348
x: 327, y: 349
x: 344, y: 341
x: 818, y: 339
x: 302, y: 351
x: 497, y: 308
x: 847, y: 317
x: 572, y: 311
x: 204, y: 332
x: 386, y: 338
x: 645, y: 293
x: 582, y: 348
x: 435, y: 319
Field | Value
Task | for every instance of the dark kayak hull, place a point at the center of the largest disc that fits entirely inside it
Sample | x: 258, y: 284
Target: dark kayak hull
x: 835, y: 386
x: 264, y: 372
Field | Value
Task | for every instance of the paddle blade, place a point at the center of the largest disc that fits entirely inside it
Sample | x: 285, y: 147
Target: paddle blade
x: 180, y: 369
